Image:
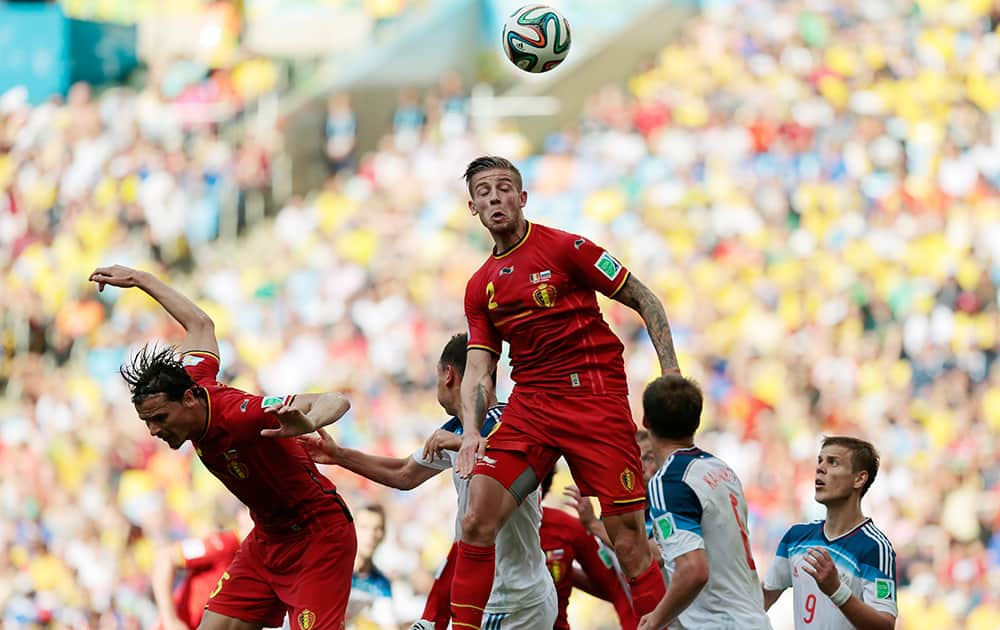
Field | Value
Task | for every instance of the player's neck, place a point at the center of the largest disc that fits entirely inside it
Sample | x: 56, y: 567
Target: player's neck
x: 662, y: 449
x: 504, y: 241
x: 842, y: 517
x: 202, y: 428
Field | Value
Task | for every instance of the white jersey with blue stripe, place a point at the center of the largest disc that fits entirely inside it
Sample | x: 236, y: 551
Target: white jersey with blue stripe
x: 696, y: 502
x: 521, y: 579
x: 865, y: 561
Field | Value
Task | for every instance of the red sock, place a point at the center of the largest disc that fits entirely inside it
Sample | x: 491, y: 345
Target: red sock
x: 471, y: 586
x: 438, y: 607
x: 647, y: 589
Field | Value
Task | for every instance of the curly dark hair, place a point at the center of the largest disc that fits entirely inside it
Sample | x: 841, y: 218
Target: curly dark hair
x: 156, y: 370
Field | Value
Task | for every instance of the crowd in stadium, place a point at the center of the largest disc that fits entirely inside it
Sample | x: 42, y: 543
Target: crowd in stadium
x: 812, y: 193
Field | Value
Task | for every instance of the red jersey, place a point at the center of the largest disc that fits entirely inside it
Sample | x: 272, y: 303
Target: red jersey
x: 540, y: 297
x: 564, y: 539
x: 274, y: 477
x: 205, y: 559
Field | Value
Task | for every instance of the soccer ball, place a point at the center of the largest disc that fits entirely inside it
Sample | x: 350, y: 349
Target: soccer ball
x: 536, y: 38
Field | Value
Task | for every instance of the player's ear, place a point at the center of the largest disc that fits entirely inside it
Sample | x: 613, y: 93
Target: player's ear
x: 860, y: 479
x: 524, y: 198
x: 472, y: 207
x: 645, y: 423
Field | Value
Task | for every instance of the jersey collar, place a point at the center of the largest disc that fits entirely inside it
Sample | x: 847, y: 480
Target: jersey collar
x: 510, y: 251
x: 822, y: 530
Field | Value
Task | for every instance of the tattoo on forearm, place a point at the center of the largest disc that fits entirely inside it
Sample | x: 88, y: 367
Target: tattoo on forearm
x: 637, y: 296
x: 481, y: 398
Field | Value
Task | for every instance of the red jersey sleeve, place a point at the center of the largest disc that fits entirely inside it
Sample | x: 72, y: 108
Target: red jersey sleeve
x: 202, y: 366
x: 239, y: 413
x: 482, y: 333
x: 593, y: 266
x: 203, y: 553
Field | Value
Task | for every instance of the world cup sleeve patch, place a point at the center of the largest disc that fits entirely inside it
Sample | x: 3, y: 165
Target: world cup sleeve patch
x: 190, y: 360
x: 272, y: 401
x: 884, y: 589
x: 665, y: 525
x: 608, y: 266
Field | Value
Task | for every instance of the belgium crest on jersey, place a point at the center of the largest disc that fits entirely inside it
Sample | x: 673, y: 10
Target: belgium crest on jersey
x: 235, y: 467
x: 544, y: 295
x: 552, y: 558
x: 628, y: 479
x: 306, y: 619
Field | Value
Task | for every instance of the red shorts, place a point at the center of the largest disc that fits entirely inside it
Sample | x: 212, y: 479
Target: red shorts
x: 306, y: 574
x: 595, y: 434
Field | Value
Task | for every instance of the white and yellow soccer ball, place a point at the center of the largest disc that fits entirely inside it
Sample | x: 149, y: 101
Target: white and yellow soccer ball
x: 536, y: 38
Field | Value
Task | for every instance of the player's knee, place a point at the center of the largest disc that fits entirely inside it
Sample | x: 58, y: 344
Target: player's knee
x: 480, y: 526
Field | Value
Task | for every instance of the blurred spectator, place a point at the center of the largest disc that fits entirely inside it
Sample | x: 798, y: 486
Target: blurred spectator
x: 371, y: 591
x: 341, y: 132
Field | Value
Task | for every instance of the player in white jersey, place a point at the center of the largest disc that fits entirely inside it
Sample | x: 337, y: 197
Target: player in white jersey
x: 842, y: 570
x: 523, y: 596
x: 699, y: 519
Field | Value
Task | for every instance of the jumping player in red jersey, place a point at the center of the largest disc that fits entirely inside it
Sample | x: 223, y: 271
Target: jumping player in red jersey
x: 203, y: 560
x: 300, y: 554
x: 538, y: 292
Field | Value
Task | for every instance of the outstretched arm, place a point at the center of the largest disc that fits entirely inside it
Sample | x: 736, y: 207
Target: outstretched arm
x: 588, y: 518
x: 402, y: 473
x: 199, y: 326
x: 637, y: 296
x: 478, y: 395
x: 165, y: 566
x: 306, y: 413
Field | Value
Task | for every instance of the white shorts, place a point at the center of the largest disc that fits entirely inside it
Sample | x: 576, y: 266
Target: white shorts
x: 541, y: 616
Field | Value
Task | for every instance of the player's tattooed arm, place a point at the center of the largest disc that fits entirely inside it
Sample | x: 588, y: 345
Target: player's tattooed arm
x: 482, y: 395
x: 478, y: 394
x: 637, y: 296
x: 478, y: 389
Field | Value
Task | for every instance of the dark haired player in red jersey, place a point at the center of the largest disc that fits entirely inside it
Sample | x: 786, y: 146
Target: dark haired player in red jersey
x: 538, y: 292
x: 300, y: 554
x: 565, y: 539
x: 203, y: 561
